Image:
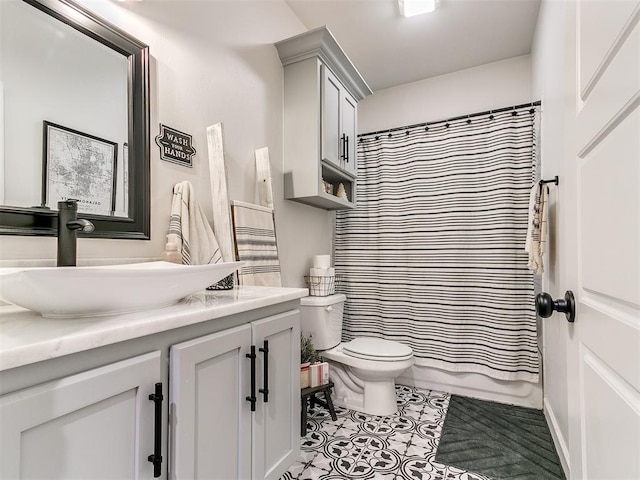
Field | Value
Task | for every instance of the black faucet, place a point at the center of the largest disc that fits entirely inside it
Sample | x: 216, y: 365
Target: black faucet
x: 68, y: 226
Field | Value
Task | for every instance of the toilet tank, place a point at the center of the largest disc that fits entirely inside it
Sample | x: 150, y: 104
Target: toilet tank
x: 322, y: 318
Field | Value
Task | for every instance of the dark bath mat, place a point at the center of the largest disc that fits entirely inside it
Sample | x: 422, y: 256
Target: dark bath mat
x: 497, y: 440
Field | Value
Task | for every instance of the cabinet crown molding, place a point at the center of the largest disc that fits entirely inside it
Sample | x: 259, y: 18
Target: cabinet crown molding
x: 321, y: 43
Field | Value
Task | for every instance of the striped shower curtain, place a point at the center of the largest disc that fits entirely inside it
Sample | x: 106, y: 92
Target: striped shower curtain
x: 433, y: 254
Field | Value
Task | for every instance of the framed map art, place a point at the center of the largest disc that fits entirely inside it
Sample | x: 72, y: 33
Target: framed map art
x: 80, y: 166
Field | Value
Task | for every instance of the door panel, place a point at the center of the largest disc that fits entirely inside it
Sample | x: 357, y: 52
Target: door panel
x: 64, y: 439
x: 601, y: 321
x: 612, y: 424
x: 599, y: 38
x: 210, y: 419
x: 97, y: 424
x: 615, y: 95
x: 349, y: 108
x: 611, y: 221
x: 330, y: 92
x: 276, y: 423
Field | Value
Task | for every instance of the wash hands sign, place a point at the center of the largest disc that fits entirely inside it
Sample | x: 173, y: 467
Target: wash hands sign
x: 175, y: 146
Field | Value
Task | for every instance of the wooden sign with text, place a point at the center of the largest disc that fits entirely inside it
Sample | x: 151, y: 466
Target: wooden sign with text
x: 175, y: 146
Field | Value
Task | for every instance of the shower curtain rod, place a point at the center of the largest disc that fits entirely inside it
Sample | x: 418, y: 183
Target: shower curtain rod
x: 461, y: 117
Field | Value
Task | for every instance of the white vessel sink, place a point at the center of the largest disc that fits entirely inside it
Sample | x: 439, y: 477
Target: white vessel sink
x: 105, y: 290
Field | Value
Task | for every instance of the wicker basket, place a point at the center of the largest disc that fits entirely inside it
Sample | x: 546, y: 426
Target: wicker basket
x: 322, y: 286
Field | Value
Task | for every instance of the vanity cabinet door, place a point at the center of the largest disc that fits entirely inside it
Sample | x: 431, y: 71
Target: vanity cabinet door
x: 96, y: 424
x: 276, y: 422
x: 210, y: 420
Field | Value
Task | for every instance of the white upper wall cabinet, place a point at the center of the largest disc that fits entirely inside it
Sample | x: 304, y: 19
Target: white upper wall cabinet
x: 339, y: 128
x: 321, y: 91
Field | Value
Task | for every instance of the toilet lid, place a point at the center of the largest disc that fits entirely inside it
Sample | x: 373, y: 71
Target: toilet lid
x: 377, y: 349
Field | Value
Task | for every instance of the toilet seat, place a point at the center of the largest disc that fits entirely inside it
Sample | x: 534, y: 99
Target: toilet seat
x: 377, y: 349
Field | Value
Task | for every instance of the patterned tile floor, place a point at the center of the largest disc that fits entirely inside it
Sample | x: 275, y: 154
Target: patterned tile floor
x: 360, y: 446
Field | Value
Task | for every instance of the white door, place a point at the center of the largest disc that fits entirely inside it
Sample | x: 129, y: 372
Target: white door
x: 210, y: 420
x: 96, y: 424
x: 603, y: 179
x: 276, y: 422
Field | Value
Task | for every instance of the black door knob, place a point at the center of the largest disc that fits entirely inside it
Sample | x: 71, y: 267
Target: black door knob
x: 545, y: 305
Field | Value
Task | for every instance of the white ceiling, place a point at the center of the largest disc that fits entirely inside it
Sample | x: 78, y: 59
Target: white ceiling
x: 390, y: 50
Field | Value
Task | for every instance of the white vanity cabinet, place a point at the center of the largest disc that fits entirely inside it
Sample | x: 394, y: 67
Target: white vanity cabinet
x: 321, y: 91
x: 75, y: 393
x: 95, y: 424
x: 235, y: 401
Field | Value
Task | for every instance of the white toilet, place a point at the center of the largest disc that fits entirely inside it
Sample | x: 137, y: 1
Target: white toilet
x: 363, y: 370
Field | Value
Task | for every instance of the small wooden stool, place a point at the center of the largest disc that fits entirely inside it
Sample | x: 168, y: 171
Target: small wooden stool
x: 309, y: 393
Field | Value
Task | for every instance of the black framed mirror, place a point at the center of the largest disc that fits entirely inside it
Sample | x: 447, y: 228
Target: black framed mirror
x: 128, y: 213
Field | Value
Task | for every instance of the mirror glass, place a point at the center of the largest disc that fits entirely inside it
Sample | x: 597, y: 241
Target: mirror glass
x: 73, y: 120
x: 53, y: 73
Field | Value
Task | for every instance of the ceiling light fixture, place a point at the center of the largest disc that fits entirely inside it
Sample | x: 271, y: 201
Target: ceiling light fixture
x: 410, y: 8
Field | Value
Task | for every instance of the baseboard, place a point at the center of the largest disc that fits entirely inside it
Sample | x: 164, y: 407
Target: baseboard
x: 475, y: 385
x: 558, y: 439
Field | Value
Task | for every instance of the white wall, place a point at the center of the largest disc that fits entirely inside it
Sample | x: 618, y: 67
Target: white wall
x: 548, y: 59
x: 495, y: 85
x: 212, y: 62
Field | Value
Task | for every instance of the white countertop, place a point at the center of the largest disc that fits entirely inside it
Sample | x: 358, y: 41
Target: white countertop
x: 27, y: 337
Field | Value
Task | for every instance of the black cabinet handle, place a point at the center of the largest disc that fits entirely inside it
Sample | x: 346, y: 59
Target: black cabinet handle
x: 545, y: 305
x: 156, y: 457
x: 346, y: 148
x: 265, y: 371
x: 252, y: 399
x: 342, y: 143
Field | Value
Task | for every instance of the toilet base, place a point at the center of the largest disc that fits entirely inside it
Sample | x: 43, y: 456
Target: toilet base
x: 374, y: 397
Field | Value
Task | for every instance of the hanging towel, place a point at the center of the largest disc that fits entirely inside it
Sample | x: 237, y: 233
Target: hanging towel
x: 256, y: 245
x: 196, y: 240
x: 537, y: 230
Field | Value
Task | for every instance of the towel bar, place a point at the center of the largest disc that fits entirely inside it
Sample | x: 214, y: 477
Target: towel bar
x: 554, y: 180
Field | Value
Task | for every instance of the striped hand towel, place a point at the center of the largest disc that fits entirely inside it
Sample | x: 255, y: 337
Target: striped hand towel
x: 256, y: 245
x: 196, y: 240
x: 537, y: 230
